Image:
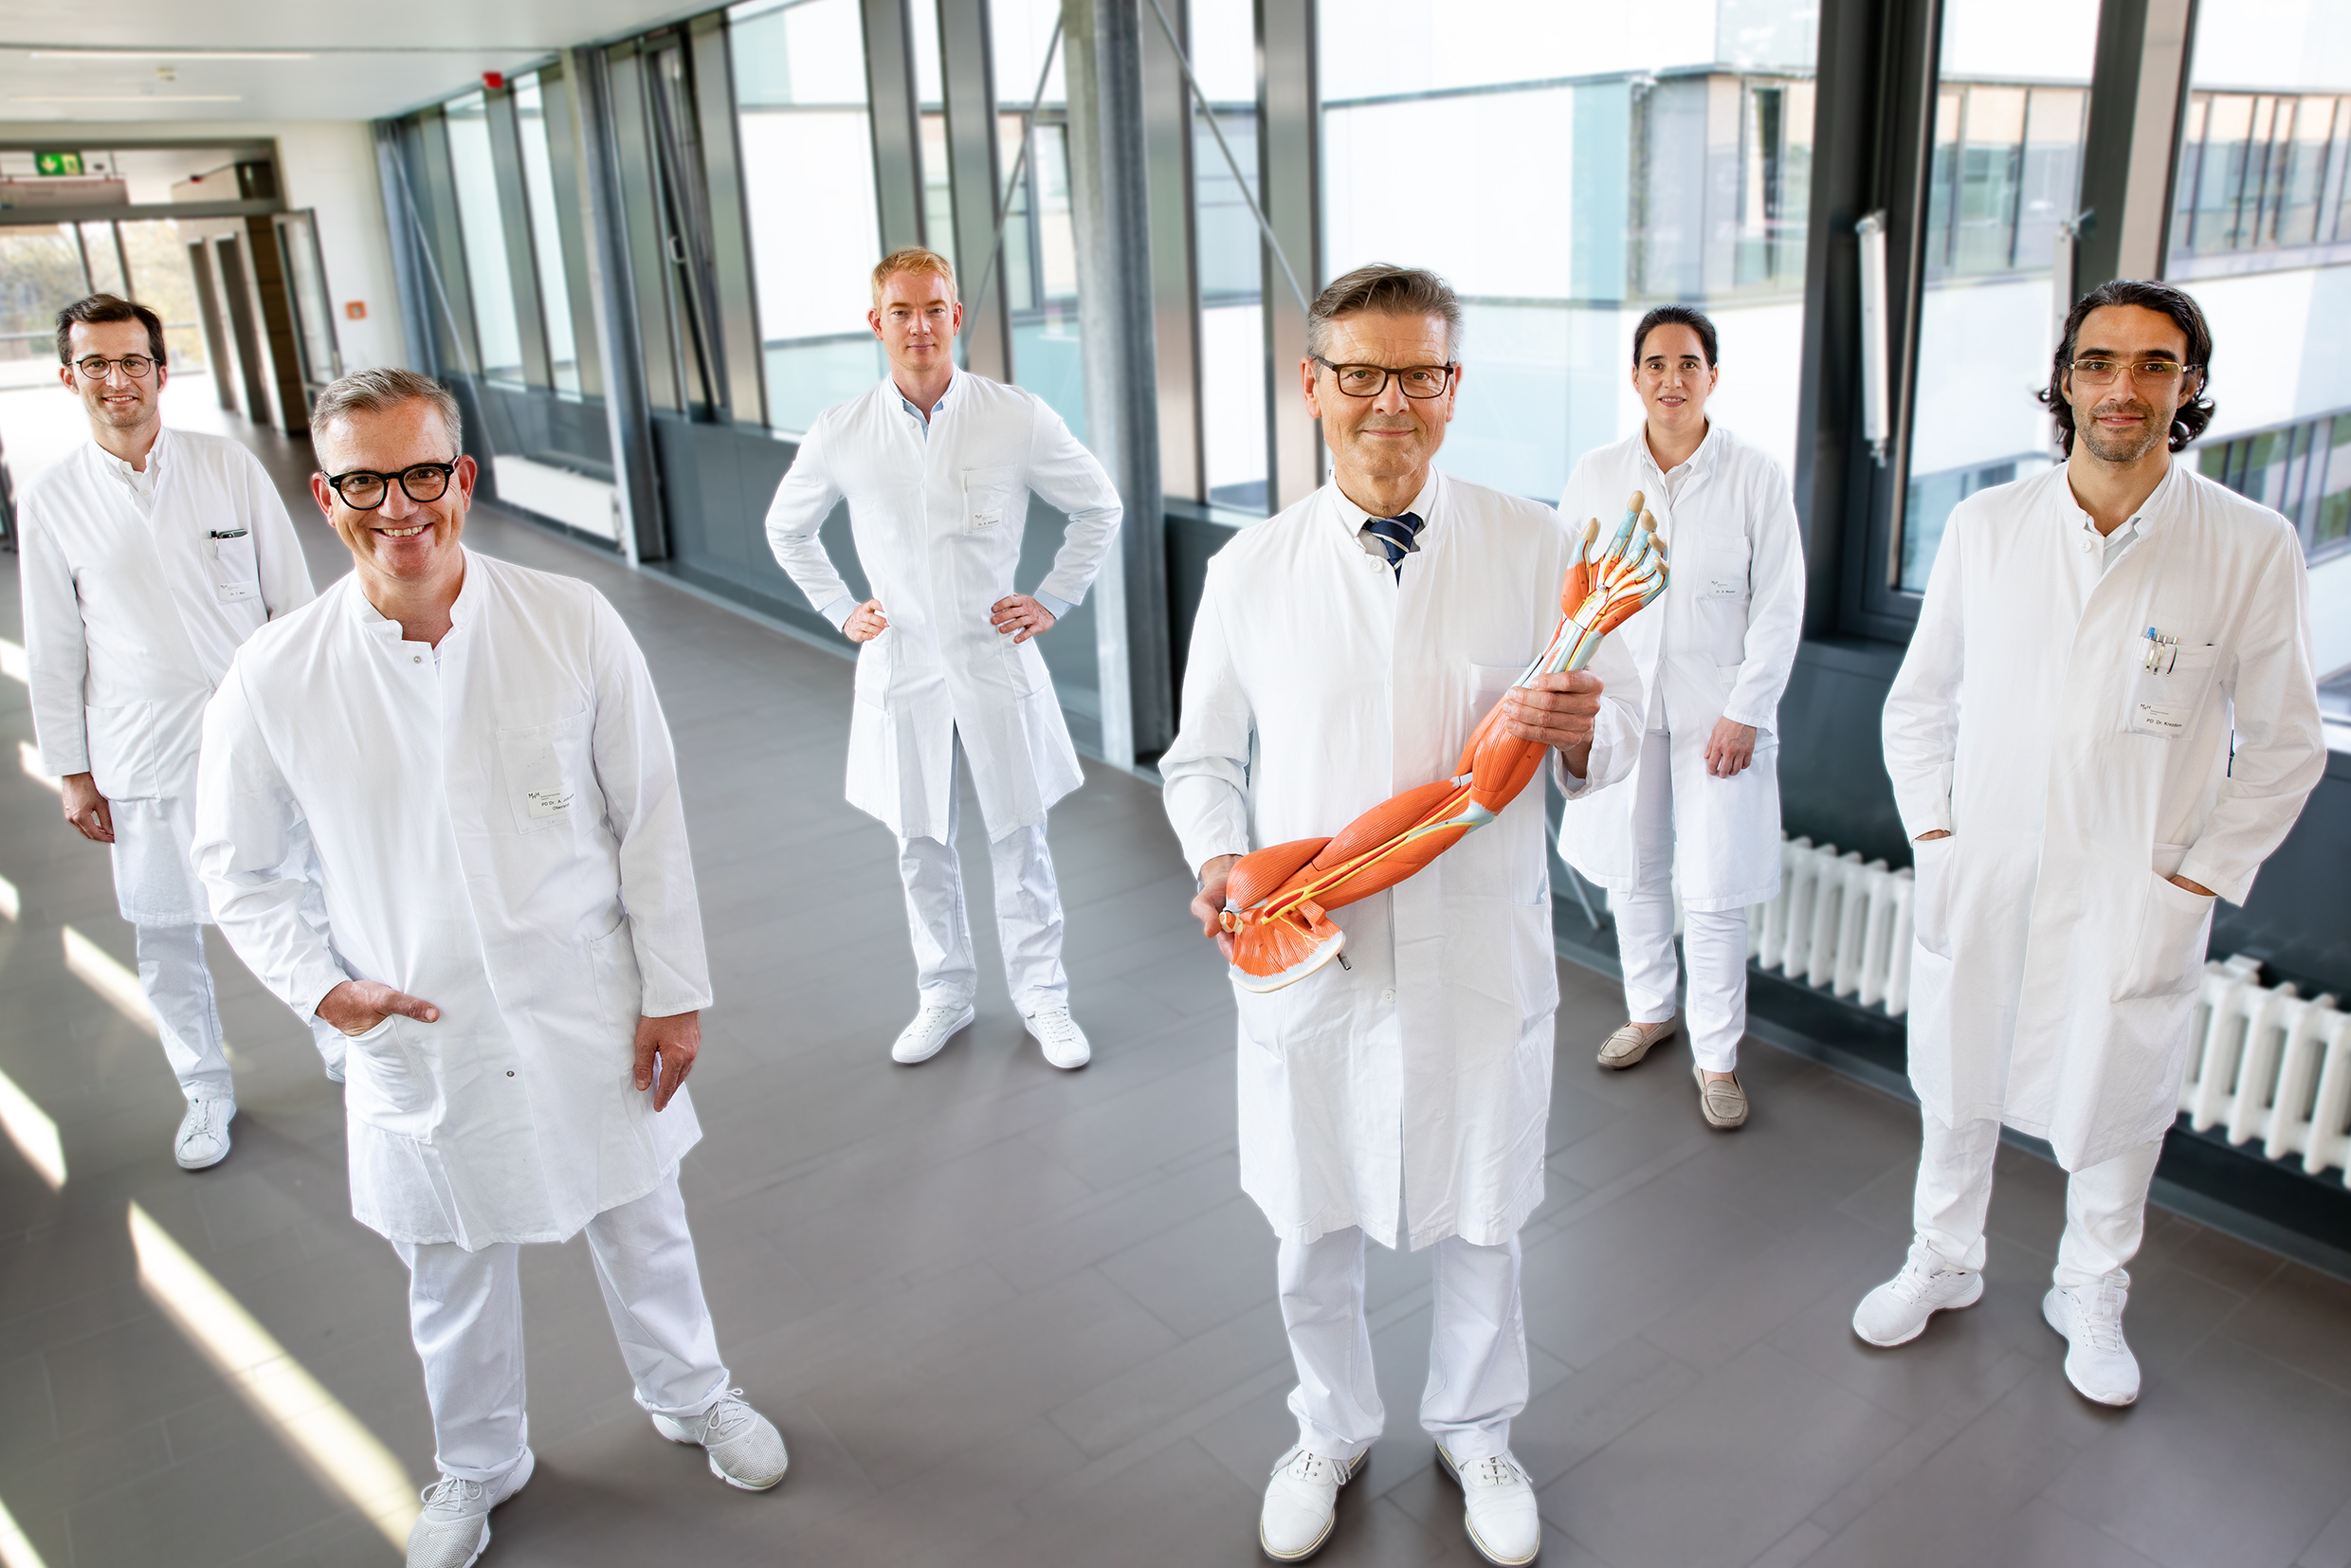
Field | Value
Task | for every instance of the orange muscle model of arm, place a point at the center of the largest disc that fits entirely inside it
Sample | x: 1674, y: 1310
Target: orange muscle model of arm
x: 1276, y: 900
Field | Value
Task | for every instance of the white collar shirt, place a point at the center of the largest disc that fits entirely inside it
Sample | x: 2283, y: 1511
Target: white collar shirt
x: 1355, y: 517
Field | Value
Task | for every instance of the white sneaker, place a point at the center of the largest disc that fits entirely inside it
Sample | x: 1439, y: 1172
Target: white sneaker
x: 2099, y: 1365
x: 1498, y: 1508
x: 1064, y: 1042
x: 1896, y: 1312
x: 203, y: 1136
x: 745, y: 1448
x: 1302, y: 1503
x: 921, y: 1039
x: 455, y: 1526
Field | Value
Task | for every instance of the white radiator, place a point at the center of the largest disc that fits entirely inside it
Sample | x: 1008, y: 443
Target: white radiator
x: 589, y: 506
x: 2265, y: 1063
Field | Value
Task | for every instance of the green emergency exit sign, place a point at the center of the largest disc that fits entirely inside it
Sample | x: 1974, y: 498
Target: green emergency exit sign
x: 58, y: 163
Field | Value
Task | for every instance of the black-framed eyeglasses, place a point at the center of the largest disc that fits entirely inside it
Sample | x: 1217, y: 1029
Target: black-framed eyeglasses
x: 2097, y: 370
x: 136, y: 366
x: 1419, y: 381
x: 364, y: 490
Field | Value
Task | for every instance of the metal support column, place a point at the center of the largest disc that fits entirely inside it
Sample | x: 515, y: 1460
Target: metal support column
x: 1111, y: 195
x: 1288, y: 166
x: 618, y: 342
x: 968, y: 72
x: 891, y: 96
x: 2137, y: 90
x: 1174, y: 278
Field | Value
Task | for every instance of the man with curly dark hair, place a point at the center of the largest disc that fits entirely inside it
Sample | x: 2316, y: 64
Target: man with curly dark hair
x: 2106, y: 719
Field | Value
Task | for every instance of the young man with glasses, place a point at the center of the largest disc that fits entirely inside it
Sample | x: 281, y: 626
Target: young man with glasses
x: 936, y: 465
x: 2107, y: 718
x: 513, y: 944
x: 149, y: 556
x: 1346, y: 649
x: 1702, y: 810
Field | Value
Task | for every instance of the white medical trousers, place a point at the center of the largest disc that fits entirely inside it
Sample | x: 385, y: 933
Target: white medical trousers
x: 2105, y: 1204
x: 1477, y: 1346
x: 179, y: 988
x: 466, y: 1314
x: 1713, y: 940
x: 1027, y: 916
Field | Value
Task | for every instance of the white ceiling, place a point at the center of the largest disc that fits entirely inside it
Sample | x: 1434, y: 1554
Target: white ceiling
x: 366, y: 60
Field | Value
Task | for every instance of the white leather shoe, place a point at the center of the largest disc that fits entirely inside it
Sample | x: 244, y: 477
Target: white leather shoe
x: 921, y: 1039
x: 1302, y: 1503
x: 2099, y: 1365
x: 1626, y: 1047
x: 1064, y: 1042
x: 455, y: 1526
x: 1896, y: 1312
x: 1498, y: 1508
x: 745, y: 1448
x: 203, y: 1136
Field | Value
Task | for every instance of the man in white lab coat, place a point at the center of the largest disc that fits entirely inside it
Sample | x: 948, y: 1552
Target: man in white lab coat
x: 1702, y: 810
x: 512, y: 942
x: 1344, y: 653
x: 936, y: 465
x: 149, y: 556
x: 2060, y: 743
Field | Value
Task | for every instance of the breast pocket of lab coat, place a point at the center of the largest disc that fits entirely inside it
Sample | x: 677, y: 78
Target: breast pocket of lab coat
x: 2167, y: 688
x: 994, y: 499
x: 543, y: 770
x: 236, y: 571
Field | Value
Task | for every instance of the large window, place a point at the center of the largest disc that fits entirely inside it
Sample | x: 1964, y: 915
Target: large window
x: 538, y: 184
x: 2003, y: 178
x: 1229, y: 256
x: 1037, y: 268
x: 1649, y: 161
x: 808, y: 186
x: 496, y: 332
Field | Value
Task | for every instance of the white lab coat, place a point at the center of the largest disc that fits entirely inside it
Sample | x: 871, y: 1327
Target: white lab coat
x: 1719, y: 644
x: 2055, y: 968
x: 500, y: 836
x: 131, y: 616
x: 938, y: 524
x: 1316, y: 688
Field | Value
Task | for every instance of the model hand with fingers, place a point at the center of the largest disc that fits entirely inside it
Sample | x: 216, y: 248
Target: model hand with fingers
x: 1702, y: 814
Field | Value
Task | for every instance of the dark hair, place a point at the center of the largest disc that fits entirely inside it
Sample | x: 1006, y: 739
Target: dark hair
x: 2189, y: 421
x: 100, y: 308
x: 1390, y: 291
x: 1667, y: 316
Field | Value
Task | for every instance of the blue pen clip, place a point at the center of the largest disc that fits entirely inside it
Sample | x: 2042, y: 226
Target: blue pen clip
x: 2162, y: 652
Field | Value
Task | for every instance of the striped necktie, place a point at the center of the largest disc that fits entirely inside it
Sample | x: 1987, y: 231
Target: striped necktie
x: 1398, y: 537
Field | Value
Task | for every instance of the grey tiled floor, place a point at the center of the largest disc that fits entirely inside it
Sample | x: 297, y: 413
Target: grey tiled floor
x: 1007, y: 1316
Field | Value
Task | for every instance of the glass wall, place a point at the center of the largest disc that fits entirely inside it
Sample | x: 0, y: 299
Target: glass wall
x: 1651, y: 160
x: 807, y: 145
x: 538, y: 185
x: 496, y: 332
x: 1229, y: 256
x: 2003, y: 177
x: 1038, y: 266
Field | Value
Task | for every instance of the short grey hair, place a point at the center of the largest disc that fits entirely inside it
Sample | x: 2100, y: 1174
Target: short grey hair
x: 1390, y: 291
x: 374, y: 392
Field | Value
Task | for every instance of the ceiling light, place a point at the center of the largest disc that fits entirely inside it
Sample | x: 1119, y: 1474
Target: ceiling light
x: 167, y: 54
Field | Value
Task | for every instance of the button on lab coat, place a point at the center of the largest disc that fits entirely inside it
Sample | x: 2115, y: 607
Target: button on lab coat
x: 1719, y: 644
x: 937, y: 525
x: 131, y: 616
x: 2055, y: 969
x: 1317, y: 687
x: 500, y: 836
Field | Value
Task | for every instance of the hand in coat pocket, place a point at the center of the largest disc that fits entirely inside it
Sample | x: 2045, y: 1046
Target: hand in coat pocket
x: 1930, y: 902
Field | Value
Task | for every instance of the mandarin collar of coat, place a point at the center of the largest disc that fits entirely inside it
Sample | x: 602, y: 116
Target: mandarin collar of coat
x: 376, y: 622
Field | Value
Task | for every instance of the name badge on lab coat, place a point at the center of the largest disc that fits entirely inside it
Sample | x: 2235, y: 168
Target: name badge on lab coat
x: 1723, y: 588
x: 547, y: 803
x: 231, y: 593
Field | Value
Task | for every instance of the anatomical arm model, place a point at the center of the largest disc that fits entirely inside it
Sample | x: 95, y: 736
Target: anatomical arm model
x: 1276, y: 900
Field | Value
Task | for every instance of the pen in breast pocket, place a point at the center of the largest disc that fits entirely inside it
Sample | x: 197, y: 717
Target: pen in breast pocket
x: 228, y: 533
x: 2162, y: 652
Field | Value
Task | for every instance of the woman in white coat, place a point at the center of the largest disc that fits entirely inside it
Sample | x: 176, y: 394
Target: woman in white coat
x: 936, y: 465
x: 1703, y: 811
x: 2107, y: 717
